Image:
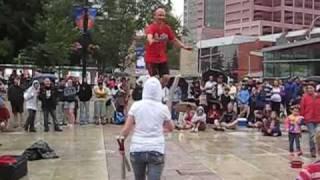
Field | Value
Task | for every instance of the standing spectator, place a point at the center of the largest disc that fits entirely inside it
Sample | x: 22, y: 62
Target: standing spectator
x: 309, y: 109
x: 122, y: 96
x: 31, y: 98
x: 276, y: 97
x: 209, y: 88
x: 196, y: 91
x: 177, y: 95
x: 76, y: 84
x: 266, y: 91
x: 60, y: 107
x: 233, y: 91
x: 289, y: 90
x: 293, y: 125
x: 137, y: 91
x: 225, y: 99
x: 48, y: 98
x: 85, y: 94
x: 15, y: 96
x: 12, y: 77
x: 101, y: 94
x: 220, y: 86
x: 70, y: 95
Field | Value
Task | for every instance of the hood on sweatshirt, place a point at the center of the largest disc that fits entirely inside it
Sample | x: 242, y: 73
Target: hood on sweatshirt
x: 35, y: 84
x: 152, y: 90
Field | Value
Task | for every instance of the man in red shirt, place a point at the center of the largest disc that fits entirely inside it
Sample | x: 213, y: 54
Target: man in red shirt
x: 309, y: 107
x: 158, y: 35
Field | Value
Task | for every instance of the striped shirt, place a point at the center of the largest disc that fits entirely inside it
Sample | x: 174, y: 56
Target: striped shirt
x: 311, y: 172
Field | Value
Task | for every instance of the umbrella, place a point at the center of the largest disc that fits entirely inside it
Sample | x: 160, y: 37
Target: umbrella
x: 215, y: 74
x: 313, y: 78
x: 41, y: 77
x: 182, y: 107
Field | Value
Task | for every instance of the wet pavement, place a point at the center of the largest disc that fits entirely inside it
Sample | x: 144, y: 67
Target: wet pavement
x: 90, y: 152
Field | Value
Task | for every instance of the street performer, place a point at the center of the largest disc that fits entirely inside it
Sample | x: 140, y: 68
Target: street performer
x: 158, y: 35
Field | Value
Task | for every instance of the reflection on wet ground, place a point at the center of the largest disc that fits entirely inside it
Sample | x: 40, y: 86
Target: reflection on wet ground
x: 90, y: 152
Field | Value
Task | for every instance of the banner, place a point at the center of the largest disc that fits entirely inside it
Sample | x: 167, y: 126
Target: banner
x: 140, y: 64
x: 79, y: 13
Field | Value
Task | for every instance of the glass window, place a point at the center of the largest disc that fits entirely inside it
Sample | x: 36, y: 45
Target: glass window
x: 214, y: 13
x: 268, y: 70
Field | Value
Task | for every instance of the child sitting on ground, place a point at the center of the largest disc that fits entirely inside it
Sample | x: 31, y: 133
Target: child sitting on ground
x: 186, y: 120
x: 271, y: 125
x: 199, y: 120
x: 258, y: 120
x: 293, y: 126
x: 213, y: 114
x: 228, y: 119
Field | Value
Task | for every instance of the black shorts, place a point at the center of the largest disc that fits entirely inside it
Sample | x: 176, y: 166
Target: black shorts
x: 16, y: 108
x: 158, y: 69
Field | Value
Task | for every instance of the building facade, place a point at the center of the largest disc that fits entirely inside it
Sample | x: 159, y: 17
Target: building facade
x: 301, y: 58
x: 261, y: 17
x: 204, y: 19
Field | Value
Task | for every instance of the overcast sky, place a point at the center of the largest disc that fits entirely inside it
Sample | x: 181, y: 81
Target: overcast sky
x: 178, y: 7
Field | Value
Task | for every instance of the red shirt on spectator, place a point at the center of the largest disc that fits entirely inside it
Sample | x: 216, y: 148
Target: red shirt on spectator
x: 309, y: 108
x: 156, y: 52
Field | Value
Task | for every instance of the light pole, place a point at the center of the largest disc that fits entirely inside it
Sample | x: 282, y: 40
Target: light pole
x: 85, y: 40
x: 312, y: 26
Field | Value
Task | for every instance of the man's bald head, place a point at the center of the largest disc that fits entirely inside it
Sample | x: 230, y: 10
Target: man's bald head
x: 159, y: 14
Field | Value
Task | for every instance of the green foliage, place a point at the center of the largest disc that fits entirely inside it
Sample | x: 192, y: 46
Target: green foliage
x: 59, y: 34
x: 17, y: 19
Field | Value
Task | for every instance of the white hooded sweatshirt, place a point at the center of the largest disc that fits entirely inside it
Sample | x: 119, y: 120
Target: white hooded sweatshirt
x: 149, y: 115
x: 31, y: 96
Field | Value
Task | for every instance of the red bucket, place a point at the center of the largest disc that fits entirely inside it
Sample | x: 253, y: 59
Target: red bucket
x: 296, y: 164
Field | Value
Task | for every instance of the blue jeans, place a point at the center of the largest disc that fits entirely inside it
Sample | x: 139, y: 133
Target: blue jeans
x: 148, y: 164
x: 312, y: 131
x: 84, y: 111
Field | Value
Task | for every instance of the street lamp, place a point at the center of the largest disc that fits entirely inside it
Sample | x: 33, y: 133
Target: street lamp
x: 85, y: 40
x: 312, y: 26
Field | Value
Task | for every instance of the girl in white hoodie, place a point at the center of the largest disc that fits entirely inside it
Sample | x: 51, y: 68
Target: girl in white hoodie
x: 31, y: 99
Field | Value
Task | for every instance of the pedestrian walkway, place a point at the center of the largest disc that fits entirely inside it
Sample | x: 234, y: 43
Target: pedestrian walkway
x: 90, y: 152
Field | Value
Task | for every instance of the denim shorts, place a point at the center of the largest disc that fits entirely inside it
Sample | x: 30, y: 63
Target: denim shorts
x: 147, y: 164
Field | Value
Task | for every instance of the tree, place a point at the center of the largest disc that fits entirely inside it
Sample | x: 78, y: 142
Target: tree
x: 17, y: 20
x: 58, y: 34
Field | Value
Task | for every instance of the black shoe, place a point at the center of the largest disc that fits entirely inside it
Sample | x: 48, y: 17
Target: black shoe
x: 57, y: 129
x: 313, y: 154
x: 46, y: 130
x: 32, y: 130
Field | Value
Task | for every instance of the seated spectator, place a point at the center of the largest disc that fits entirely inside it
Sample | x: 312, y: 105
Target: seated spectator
x: 228, y: 119
x: 257, y: 121
x: 271, y: 125
x: 186, y: 120
x: 199, y: 120
x: 213, y: 114
x: 243, y: 102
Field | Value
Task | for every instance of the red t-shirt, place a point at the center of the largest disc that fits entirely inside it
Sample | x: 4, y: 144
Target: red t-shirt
x: 156, y: 52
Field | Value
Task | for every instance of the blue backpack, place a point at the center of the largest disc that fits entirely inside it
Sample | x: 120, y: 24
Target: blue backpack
x: 119, y: 117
